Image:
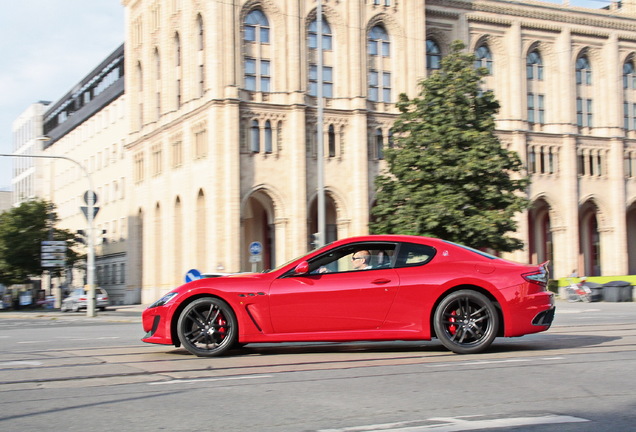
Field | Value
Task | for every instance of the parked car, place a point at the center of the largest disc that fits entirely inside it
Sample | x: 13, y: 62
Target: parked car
x: 364, y: 288
x: 77, y: 300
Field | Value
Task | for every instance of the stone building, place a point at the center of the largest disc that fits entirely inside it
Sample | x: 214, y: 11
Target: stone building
x: 222, y: 120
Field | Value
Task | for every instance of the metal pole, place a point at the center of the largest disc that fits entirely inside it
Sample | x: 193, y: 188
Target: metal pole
x: 90, y: 203
x: 322, y: 237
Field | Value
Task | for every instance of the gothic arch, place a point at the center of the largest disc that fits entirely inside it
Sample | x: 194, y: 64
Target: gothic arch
x: 272, y: 193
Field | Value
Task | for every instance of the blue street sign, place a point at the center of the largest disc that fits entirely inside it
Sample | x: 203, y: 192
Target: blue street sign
x: 256, y: 248
x: 192, y: 275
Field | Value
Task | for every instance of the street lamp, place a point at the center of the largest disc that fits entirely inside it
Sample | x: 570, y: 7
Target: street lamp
x: 90, y: 214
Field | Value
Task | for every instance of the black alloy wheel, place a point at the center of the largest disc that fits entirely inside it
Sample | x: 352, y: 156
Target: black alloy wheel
x: 207, y: 327
x: 466, y: 322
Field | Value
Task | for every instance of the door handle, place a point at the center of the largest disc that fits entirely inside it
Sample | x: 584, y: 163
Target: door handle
x: 381, y: 281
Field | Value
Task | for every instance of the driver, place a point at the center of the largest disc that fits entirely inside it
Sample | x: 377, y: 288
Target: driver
x: 361, y: 260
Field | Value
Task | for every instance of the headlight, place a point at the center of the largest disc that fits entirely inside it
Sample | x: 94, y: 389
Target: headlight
x: 163, y: 300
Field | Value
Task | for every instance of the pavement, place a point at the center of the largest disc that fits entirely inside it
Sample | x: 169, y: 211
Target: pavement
x: 123, y: 313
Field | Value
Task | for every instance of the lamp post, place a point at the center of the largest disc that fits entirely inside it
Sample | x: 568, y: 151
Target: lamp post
x: 322, y: 234
x: 90, y: 214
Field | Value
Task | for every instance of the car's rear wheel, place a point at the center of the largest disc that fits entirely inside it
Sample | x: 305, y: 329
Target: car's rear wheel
x: 75, y: 307
x: 207, y: 327
x: 466, y: 322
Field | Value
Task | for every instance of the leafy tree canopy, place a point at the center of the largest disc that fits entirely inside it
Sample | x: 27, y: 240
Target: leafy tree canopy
x: 22, y: 229
x: 448, y: 175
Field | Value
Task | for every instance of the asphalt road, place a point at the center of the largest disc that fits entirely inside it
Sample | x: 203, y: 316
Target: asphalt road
x: 67, y: 372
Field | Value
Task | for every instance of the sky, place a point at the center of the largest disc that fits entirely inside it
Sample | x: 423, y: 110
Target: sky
x: 48, y: 46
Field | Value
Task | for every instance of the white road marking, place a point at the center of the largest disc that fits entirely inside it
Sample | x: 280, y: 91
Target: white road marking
x: 572, y: 311
x: 22, y: 363
x: 198, y: 380
x: 71, y: 339
x: 447, y: 424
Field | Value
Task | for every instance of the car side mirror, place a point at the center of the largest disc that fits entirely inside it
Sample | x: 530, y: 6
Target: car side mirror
x: 302, y: 268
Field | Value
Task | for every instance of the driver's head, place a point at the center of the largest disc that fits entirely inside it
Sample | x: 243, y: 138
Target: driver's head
x: 361, y: 259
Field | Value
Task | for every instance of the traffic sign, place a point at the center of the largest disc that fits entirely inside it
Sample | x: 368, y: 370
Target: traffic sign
x: 192, y: 275
x: 86, y: 196
x: 53, y: 249
x: 85, y: 211
x: 53, y: 243
x: 53, y: 253
x: 53, y: 263
x: 256, y: 248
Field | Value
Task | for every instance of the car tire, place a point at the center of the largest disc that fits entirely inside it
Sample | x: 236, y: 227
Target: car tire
x: 63, y: 308
x: 207, y: 327
x: 466, y: 322
x: 75, y: 307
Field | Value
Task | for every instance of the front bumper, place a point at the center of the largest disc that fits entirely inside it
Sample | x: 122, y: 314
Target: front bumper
x: 156, y: 324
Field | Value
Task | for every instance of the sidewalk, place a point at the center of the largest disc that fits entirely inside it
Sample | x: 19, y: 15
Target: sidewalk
x: 122, y: 313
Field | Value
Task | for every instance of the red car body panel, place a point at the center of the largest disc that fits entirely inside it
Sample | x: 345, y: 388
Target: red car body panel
x: 379, y: 304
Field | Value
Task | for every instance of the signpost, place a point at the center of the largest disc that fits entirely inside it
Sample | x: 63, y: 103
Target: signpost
x: 53, y: 253
x: 256, y: 254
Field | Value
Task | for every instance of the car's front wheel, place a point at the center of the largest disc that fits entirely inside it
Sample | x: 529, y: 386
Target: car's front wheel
x: 466, y: 322
x: 207, y: 327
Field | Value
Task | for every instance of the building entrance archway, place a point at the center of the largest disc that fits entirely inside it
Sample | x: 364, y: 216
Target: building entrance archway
x: 258, y: 226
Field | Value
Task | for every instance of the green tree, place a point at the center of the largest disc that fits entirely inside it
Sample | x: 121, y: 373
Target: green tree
x: 22, y: 229
x: 448, y: 175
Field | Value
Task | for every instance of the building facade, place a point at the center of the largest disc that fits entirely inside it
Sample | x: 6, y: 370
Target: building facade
x: 27, y: 128
x: 88, y: 125
x: 222, y: 121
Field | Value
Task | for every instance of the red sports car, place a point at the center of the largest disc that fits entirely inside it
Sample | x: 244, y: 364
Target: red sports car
x: 367, y: 288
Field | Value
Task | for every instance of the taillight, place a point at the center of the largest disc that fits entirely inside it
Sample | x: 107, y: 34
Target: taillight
x: 539, y: 276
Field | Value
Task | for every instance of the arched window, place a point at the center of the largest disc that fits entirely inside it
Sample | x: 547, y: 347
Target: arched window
x: 332, y: 141
x: 177, y: 63
x: 629, y: 78
x: 327, y: 37
x: 140, y: 78
x: 584, y: 101
x: 534, y: 66
x: 177, y: 50
x: 255, y: 137
x: 378, y: 42
x: 379, y: 51
x: 268, y: 137
x: 536, y: 96
x: 483, y: 58
x: 157, y: 83
x: 379, y: 144
x: 157, y: 64
x: 140, y: 94
x: 583, y: 71
x: 256, y: 66
x: 200, y: 34
x: 256, y: 27
x: 629, y: 94
x: 201, y: 59
x: 327, y: 68
x: 433, y: 56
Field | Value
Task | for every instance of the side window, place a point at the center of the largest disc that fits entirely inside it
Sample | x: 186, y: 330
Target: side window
x: 411, y: 255
x: 363, y: 256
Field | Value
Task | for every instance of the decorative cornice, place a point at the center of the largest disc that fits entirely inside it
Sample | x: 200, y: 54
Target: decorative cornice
x: 595, y: 18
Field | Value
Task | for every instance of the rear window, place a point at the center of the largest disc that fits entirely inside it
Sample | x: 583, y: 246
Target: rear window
x: 478, y: 252
x: 412, y: 254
